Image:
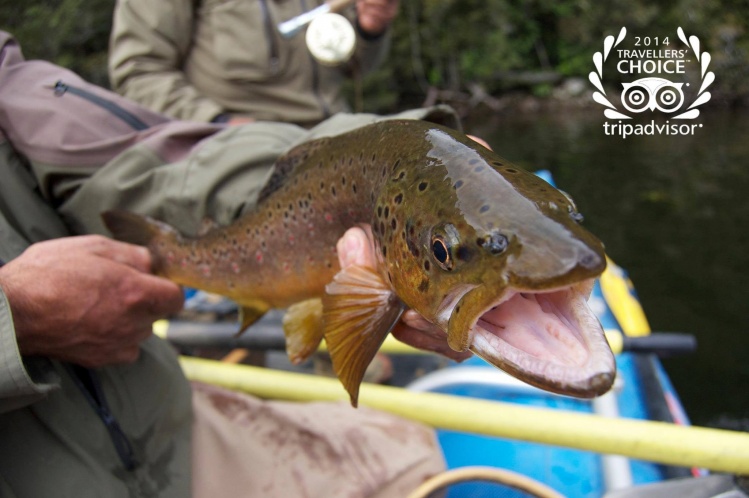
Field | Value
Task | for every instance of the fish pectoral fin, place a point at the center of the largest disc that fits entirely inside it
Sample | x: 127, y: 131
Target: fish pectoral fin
x: 359, y: 310
x: 303, y: 328
x: 249, y: 315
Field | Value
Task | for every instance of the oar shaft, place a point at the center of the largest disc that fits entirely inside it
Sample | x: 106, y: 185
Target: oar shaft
x: 714, y: 449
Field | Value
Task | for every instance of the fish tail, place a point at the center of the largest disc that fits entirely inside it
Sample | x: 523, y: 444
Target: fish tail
x: 134, y: 228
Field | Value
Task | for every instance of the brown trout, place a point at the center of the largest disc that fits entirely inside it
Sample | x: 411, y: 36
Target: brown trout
x: 491, y: 254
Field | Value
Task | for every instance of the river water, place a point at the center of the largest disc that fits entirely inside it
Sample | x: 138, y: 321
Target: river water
x: 674, y: 212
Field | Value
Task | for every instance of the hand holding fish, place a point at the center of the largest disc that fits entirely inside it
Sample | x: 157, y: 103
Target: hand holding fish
x: 87, y: 300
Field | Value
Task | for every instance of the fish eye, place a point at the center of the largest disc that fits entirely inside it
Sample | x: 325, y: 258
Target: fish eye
x: 441, y: 253
x: 445, y: 243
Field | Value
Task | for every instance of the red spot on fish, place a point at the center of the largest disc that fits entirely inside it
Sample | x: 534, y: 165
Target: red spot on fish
x: 183, y: 263
x: 234, y: 267
x: 259, y: 256
x: 291, y: 239
x: 286, y: 267
x: 206, y: 270
x: 328, y: 217
x: 170, y: 256
x: 351, y: 212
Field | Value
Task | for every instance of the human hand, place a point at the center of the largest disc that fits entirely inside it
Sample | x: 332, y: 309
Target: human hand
x: 355, y: 248
x: 240, y: 120
x: 375, y: 16
x: 87, y: 300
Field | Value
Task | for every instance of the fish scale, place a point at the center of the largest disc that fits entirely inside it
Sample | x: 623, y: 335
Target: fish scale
x: 456, y: 231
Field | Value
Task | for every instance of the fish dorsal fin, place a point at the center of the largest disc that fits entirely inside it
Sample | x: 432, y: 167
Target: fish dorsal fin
x: 249, y: 315
x: 207, y: 224
x: 359, y: 310
x: 303, y: 328
x: 288, y: 163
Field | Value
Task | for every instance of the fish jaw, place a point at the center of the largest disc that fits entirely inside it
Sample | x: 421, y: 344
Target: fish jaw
x: 549, y: 339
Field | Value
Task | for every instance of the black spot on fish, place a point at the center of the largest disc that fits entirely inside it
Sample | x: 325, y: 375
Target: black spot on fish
x: 387, y: 211
x: 473, y: 161
x: 393, y: 223
x: 464, y: 253
x: 479, y: 169
x: 353, y: 187
x: 384, y: 251
x: 379, y: 211
x: 343, y: 180
x: 382, y: 227
x: 423, y: 186
x: 484, y: 208
x: 400, y: 176
x: 278, y: 206
x: 396, y: 164
x: 424, y: 285
x: 398, y: 198
x: 390, y: 277
x: 458, y: 184
x: 332, y: 190
x: 309, y: 195
x: 511, y: 170
x: 322, y: 185
x: 427, y: 266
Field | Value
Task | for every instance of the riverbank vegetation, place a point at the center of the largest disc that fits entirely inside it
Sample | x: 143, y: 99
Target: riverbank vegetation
x: 474, y: 54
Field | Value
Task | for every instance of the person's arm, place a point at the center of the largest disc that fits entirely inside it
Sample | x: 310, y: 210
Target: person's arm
x: 86, y: 300
x: 373, y: 20
x: 148, y: 44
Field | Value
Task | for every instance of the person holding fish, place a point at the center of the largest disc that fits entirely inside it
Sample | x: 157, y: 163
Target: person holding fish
x: 226, y: 61
x: 91, y: 402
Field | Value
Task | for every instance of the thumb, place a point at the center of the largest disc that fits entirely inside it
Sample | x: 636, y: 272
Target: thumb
x: 353, y: 249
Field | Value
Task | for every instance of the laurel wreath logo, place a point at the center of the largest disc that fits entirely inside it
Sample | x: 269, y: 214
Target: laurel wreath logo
x: 610, y: 42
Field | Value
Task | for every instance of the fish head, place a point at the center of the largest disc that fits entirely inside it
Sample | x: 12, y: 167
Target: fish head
x: 497, y: 258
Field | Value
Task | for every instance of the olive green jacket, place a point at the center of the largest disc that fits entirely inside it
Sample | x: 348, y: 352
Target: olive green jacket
x: 194, y: 60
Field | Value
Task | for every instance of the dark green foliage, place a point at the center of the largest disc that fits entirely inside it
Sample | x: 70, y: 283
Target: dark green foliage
x: 71, y: 33
x: 448, y: 45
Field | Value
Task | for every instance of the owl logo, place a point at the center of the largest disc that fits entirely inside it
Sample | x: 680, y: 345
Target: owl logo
x: 652, y: 93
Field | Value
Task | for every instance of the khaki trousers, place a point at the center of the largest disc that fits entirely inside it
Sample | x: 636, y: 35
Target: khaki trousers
x: 247, y: 447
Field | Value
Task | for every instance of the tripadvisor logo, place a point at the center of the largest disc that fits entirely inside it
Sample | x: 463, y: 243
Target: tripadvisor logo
x: 655, y: 83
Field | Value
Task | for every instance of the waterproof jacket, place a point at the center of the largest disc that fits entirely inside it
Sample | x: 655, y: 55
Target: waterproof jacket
x: 195, y: 60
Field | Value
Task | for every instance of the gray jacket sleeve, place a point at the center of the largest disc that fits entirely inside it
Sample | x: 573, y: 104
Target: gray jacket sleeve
x: 22, y: 381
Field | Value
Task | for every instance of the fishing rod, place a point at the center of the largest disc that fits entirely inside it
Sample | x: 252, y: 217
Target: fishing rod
x: 289, y: 28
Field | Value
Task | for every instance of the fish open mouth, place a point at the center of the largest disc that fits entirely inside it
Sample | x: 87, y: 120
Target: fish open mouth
x: 549, y: 339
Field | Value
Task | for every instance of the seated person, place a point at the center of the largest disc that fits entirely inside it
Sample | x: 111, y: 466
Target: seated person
x: 225, y: 60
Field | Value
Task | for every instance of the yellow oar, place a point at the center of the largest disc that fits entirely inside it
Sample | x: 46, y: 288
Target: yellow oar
x: 718, y: 450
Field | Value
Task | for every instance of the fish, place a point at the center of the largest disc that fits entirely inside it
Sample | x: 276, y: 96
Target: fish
x: 489, y: 253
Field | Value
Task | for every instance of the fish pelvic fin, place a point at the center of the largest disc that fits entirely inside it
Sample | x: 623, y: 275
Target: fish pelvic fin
x: 359, y: 310
x: 249, y: 315
x: 303, y: 328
